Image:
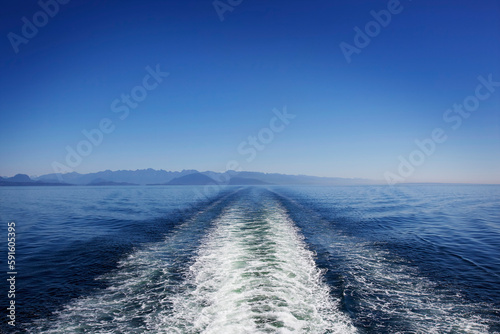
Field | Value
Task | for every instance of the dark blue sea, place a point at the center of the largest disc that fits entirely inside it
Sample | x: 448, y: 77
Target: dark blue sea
x: 257, y: 259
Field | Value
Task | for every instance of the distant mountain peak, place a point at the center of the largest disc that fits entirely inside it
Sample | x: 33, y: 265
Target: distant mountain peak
x: 19, y: 178
x: 160, y: 176
x: 192, y: 179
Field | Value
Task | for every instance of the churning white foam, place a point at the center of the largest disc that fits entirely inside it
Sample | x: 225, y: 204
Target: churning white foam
x: 251, y: 274
x: 254, y: 274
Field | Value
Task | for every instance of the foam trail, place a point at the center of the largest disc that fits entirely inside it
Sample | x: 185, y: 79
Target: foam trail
x: 139, y: 289
x: 239, y: 267
x: 384, y: 286
x: 383, y: 292
x: 254, y: 274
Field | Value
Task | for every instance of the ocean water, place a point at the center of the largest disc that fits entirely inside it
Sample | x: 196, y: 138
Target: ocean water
x: 258, y: 259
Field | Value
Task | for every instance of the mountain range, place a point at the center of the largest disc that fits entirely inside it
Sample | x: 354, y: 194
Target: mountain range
x: 184, y: 177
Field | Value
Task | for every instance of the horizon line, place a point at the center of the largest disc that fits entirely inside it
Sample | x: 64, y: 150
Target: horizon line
x: 376, y: 181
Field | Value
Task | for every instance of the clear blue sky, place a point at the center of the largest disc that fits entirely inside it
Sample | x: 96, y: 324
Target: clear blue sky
x: 226, y: 77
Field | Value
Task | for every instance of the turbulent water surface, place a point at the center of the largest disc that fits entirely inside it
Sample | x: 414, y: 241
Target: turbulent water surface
x: 373, y: 259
